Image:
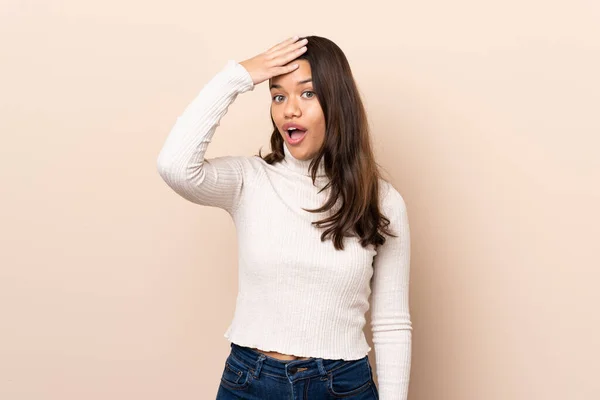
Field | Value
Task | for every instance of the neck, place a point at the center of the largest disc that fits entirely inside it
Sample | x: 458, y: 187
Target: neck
x: 300, y: 166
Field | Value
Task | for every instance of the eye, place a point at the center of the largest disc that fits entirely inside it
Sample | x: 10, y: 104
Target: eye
x: 312, y: 94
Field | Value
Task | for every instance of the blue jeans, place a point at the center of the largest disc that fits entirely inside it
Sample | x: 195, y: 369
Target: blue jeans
x: 249, y: 374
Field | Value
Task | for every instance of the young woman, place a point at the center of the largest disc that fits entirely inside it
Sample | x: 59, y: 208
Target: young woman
x: 318, y: 229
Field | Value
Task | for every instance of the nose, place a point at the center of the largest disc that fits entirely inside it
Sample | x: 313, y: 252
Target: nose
x: 292, y: 108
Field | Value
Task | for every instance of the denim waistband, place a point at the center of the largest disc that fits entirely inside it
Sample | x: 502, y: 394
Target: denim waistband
x: 292, y: 369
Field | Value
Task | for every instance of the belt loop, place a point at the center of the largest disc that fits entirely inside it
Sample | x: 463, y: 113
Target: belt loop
x: 259, y: 363
x: 321, y: 367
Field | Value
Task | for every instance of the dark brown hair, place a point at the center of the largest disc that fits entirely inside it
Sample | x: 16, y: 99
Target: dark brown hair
x: 346, y: 152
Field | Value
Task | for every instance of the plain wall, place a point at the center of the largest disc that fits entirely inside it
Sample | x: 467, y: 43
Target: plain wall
x: 484, y: 115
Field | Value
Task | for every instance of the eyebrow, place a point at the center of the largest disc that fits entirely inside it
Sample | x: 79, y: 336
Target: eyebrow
x: 276, y: 86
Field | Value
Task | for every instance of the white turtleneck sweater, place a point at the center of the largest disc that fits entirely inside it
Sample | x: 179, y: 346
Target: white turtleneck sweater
x: 297, y: 295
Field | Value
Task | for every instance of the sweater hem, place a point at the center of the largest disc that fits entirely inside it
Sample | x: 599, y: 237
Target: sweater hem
x: 293, y: 352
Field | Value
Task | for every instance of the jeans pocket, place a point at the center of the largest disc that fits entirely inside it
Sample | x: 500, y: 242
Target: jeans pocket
x: 236, y: 375
x: 350, y: 379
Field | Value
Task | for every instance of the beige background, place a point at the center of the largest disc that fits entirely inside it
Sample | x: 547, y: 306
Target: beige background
x: 485, y: 115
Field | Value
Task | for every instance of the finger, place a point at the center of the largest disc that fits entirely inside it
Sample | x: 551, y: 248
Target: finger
x: 297, y: 48
x: 286, y: 69
x: 287, y: 57
x: 282, y: 44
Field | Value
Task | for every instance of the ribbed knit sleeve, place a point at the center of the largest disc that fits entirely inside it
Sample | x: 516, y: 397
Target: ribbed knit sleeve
x: 390, y: 317
x: 216, y: 182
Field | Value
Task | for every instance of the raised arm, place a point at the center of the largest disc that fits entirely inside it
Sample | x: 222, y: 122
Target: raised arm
x: 390, y: 316
x: 215, y: 182
x: 218, y: 182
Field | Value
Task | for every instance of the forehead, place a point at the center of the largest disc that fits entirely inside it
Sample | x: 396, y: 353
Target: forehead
x: 289, y: 79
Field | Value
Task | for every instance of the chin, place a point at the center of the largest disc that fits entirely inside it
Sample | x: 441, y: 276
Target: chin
x: 301, y: 155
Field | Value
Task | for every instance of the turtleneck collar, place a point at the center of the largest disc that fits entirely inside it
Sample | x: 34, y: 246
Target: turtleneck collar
x: 301, y: 166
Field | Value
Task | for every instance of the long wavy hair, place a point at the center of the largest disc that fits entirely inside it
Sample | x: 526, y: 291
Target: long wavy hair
x: 347, y: 155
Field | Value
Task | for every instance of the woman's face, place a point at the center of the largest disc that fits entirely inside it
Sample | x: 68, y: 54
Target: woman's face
x: 294, y: 104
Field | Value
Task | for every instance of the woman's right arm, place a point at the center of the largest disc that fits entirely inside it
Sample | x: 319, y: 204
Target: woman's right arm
x: 181, y: 164
x: 218, y: 181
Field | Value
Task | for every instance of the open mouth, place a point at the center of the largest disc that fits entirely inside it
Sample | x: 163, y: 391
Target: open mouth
x: 295, y: 133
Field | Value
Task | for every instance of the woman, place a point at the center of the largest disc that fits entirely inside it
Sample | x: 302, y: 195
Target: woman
x: 318, y: 231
